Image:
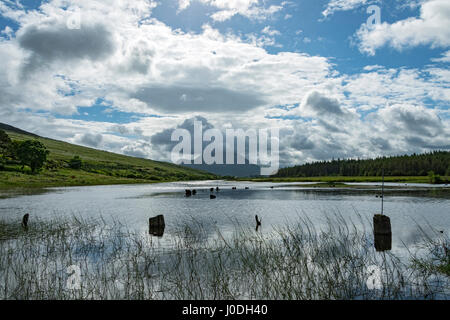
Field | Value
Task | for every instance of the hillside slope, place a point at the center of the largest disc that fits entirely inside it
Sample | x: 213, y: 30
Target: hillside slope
x: 99, y: 167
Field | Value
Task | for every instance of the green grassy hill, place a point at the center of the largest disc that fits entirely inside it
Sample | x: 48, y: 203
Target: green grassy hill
x: 99, y: 167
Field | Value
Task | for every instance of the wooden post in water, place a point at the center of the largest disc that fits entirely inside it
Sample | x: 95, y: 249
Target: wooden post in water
x: 382, y: 232
x: 382, y: 193
x: 25, y: 220
x: 157, y: 226
x: 258, y: 222
x: 382, y: 226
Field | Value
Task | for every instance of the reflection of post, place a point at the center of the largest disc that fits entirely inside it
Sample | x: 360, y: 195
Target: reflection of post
x: 382, y: 232
x: 157, y: 226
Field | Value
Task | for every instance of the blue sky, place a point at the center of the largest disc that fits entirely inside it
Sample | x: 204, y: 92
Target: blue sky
x: 132, y: 70
x: 330, y: 37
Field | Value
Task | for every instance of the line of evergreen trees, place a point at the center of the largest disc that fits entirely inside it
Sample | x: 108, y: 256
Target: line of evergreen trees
x: 407, y: 165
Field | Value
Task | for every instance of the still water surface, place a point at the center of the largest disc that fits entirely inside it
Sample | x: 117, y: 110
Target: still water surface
x: 132, y: 205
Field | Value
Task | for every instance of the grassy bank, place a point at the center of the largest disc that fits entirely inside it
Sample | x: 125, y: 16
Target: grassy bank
x: 295, y: 262
x: 98, y: 168
x: 63, y: 178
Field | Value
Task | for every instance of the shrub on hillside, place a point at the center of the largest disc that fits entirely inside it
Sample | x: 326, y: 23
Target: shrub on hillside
x: 75, y: 163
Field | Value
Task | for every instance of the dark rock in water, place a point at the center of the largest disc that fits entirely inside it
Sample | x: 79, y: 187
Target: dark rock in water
x: 25, y: 220
x: 157, y: 226
x: 211, y: 196
x: 246, y: 188
x: 234, y: 188
x: 212, y: 189
x: 217, y: 189
x: 382, y: 232
x: 188, y: 193
x: 194, y: 192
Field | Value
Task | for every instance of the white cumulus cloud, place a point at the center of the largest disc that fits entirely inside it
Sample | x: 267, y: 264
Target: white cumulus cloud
x: 344, y: 5
x: 432, y: 29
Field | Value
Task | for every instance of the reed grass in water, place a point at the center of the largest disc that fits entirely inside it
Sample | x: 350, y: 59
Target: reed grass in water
x: 294, y: 262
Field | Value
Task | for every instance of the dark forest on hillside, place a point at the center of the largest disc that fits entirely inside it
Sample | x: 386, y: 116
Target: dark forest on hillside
x: 408, y: 165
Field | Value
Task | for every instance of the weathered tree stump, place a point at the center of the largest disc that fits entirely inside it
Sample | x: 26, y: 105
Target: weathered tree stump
x: 258, y: 222
x: 25, y: 220
x: 382, y: 232
x: 157, y: 226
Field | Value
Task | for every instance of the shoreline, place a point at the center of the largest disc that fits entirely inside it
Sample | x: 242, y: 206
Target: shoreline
x: 18, y: 181
x: 42, y: 181
x: 342, y: 179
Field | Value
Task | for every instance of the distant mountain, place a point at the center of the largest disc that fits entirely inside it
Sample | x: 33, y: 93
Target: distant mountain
x: 233, y: 170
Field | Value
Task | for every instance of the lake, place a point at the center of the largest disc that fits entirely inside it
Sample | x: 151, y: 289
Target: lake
x: 407, y: 205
